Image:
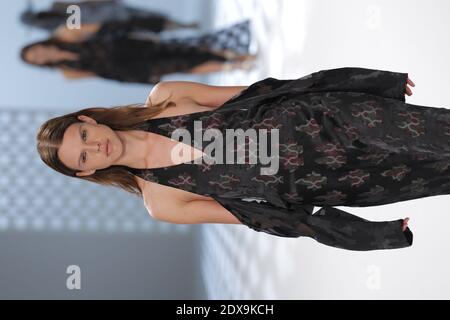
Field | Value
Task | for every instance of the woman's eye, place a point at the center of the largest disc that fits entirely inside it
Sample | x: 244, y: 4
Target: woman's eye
x: 84, y: 157
x: 84, y: 135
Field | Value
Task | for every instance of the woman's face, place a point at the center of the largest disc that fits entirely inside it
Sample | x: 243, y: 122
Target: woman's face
x: 40, y: 54
x: 84, y: 146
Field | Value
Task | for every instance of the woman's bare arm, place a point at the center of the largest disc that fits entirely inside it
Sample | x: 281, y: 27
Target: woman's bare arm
x: 171, y: 205
x: 77, y: 74
x: 178, y: 206
x: 76, y: 35
x: 192, y: 212
x: 202, y: 94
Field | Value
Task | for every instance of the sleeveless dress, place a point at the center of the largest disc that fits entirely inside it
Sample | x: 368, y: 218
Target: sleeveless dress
x: 346, y: 138
x: 114, y: 53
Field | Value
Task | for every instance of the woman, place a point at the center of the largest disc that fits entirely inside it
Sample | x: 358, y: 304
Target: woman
x: 94, y: 11
x: 112, y: 50
x: 346, y: 137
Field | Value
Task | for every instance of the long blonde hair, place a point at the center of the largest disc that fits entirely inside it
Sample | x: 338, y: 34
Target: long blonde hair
x: 50, y: 135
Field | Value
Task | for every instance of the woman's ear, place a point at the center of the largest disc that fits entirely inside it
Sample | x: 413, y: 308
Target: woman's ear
x: 87, y: 119
x: 84, y: 173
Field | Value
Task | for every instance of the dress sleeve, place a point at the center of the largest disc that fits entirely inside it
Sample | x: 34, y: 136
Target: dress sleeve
x: 329, y: 226
x: 378, y: 82
x: 349, y: 79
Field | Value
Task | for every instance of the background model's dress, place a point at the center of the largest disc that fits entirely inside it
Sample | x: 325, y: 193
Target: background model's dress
x: 115, y: 53
x: 346, y: 138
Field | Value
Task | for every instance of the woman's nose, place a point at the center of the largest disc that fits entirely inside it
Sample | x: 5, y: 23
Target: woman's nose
x: 95, y: 146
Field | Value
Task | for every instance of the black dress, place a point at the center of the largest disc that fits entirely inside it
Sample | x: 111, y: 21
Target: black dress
x: 114, y: 53
x: 346, y: 138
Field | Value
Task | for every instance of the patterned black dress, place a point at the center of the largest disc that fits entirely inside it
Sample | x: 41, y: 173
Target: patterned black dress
x: 116, y: 53
x: 346, y: 138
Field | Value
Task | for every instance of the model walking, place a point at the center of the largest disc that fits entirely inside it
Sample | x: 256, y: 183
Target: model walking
x: 112, y: 50
x: 346, y: 138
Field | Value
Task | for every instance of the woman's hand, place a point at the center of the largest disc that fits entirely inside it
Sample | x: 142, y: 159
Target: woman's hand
x: 408, y: 89
x: 405, y: 224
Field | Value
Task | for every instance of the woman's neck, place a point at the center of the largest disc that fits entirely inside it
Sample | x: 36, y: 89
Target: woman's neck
x: 135, y: 147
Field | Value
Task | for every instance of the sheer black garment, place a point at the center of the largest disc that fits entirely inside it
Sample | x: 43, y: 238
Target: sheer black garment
x: 112, y: 53
x: 346, y: 138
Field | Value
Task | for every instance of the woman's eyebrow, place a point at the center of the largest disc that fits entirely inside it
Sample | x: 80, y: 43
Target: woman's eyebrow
x: 79, y: 134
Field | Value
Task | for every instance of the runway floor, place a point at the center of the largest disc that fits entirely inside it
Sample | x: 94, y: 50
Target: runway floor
x: 298, y: 37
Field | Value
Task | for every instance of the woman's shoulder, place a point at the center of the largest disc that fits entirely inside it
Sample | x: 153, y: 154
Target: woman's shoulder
x: 199, y: 93
x: 182, y: 107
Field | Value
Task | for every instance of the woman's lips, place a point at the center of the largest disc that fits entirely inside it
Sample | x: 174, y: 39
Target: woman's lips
x: 107, y: 148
